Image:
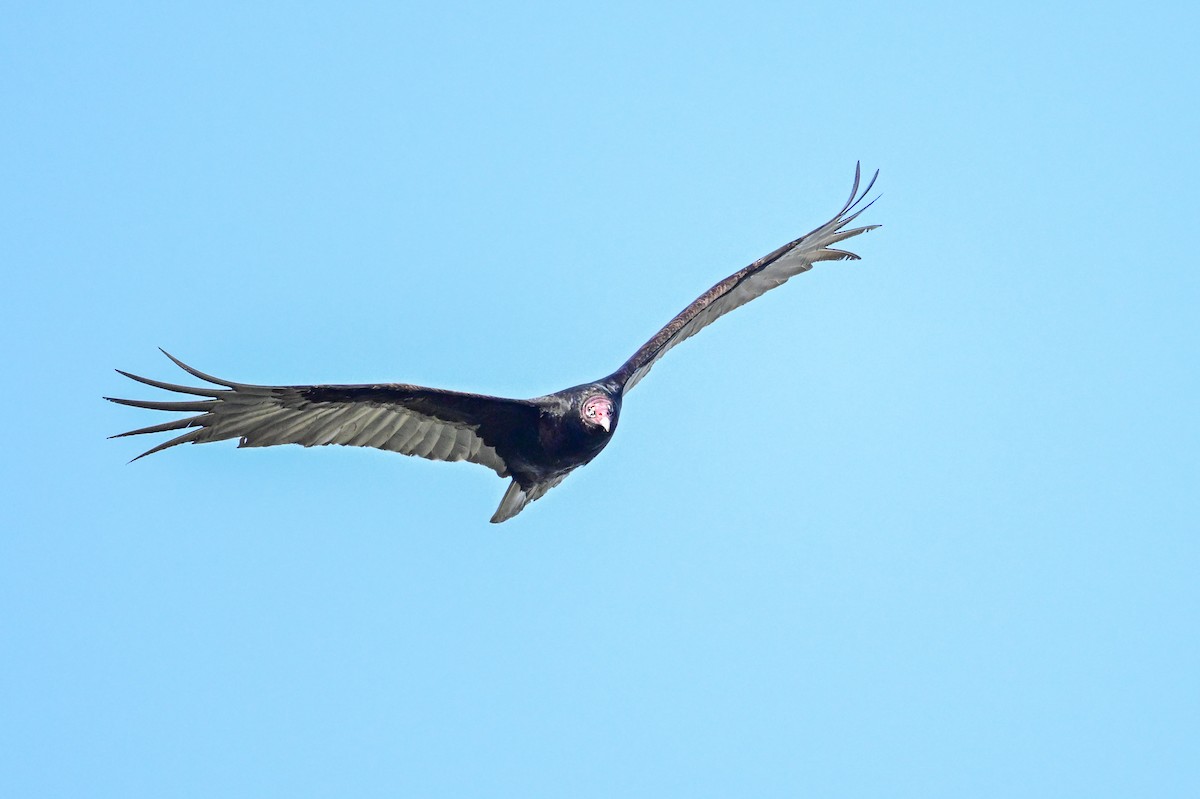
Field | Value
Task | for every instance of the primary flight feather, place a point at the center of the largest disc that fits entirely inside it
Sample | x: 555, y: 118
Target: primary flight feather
x: 536, y: 442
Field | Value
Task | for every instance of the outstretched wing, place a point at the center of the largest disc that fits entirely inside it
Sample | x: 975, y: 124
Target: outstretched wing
x: 429, y: 423
x: 755, y: 280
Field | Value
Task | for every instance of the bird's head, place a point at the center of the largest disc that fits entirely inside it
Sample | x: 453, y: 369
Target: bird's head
x: 598, y: 411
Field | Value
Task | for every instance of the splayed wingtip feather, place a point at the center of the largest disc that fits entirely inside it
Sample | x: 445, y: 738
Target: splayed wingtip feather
x: 197, y: 373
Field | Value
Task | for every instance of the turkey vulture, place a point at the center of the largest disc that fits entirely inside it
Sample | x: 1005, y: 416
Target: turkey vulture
x: 537, y: 442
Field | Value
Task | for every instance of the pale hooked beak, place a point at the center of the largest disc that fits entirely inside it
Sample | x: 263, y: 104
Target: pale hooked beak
x: 605, y: 422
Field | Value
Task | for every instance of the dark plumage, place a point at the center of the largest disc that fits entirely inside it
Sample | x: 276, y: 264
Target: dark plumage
x: 536, y: 442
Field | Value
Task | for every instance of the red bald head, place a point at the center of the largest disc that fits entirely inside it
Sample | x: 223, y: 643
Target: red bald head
x: 598, y: 411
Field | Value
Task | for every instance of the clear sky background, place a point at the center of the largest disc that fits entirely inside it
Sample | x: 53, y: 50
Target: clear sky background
x: 921, y: 525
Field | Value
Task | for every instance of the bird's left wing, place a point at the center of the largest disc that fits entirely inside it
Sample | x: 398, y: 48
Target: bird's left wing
x: 755, y: 280
x: 429, y: 423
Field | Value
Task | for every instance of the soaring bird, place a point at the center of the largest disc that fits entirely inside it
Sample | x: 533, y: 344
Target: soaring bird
x: 536, y: 442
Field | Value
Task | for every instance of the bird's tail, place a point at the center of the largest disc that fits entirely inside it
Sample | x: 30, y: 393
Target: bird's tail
x: 513, y: 503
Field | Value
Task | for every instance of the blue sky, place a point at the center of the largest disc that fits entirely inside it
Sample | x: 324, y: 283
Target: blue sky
x: 921, y: 525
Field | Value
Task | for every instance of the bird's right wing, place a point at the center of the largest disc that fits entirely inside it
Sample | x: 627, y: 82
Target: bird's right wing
x: 755, y: 280
x: 429, y: 423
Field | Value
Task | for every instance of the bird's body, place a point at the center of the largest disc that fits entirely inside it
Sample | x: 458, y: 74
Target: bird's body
x: 537, y: 442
